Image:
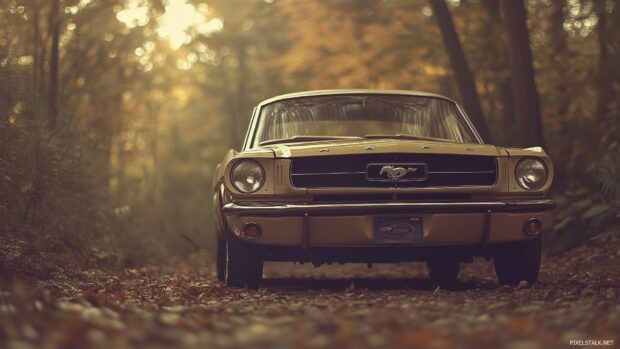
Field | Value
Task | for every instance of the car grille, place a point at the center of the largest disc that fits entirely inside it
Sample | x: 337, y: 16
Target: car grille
x: 353, y: 171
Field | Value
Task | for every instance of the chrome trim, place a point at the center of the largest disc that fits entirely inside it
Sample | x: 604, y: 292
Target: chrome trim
x: 326, y: 173
x: 340, y: 92
x: 362, y: 172
x: 249, y: 142
x: 526, y: 223
x: 251, y: 127
x: 287, y: 209
x: 260, y: 231
x: 470, y: 186
x: 469, y: 123
x: 402, y: 190
x: 396, y: 163
x: 234, y: 166
x: 461, y: 172
x: 537, y: 159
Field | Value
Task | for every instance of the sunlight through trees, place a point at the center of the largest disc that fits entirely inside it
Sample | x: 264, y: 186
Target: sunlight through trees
x: 138, y: 99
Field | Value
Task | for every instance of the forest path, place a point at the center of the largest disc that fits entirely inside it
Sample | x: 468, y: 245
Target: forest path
x: 388, y: 306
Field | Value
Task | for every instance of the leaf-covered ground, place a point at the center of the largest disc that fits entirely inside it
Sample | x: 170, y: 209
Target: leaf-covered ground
x: 388, y: 306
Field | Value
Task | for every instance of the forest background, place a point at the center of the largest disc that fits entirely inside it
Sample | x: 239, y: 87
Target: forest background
x: 114, y: 113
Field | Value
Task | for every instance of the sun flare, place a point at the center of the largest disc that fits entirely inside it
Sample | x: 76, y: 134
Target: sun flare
x: 179, y: 23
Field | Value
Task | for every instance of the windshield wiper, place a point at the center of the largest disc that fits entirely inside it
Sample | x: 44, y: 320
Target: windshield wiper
x: 305, y: 139
x: 404, y: 136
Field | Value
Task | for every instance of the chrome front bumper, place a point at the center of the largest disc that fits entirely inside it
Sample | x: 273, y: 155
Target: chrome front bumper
x: 330, y: 209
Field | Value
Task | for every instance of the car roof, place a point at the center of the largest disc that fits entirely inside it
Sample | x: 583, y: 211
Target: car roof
x: 314, y: 93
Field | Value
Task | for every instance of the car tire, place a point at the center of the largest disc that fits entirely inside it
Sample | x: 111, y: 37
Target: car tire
x: 518, y: 261
x: 220, y: 261
x: 443, y: 272
x: 244, y: 264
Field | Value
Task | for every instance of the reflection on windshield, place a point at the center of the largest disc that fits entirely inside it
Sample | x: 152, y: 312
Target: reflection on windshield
x: 359, y: 115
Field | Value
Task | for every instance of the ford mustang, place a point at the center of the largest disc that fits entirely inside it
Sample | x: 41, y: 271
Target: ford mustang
x: 371, y: 176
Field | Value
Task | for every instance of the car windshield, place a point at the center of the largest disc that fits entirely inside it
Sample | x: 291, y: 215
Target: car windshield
x: 362, y: 116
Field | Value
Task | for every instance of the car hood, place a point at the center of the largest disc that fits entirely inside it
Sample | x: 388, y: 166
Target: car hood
x: 368, y: 146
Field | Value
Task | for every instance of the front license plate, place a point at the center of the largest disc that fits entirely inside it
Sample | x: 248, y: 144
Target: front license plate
x: 398, y: 230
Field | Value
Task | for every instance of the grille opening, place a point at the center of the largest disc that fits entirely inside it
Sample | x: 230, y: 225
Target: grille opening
x: 349, y: 171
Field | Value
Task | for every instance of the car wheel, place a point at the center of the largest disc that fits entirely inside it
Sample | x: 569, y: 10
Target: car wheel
x: 221, y: 259
x: 518, y: 261
x: 443, y: 273
x: 244, y: 264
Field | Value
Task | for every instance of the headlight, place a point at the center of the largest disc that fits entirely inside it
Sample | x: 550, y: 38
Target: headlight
x: 247, y: 176
x: 531, y: 173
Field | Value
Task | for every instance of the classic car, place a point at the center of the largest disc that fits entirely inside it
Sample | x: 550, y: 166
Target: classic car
x: 372, y: 176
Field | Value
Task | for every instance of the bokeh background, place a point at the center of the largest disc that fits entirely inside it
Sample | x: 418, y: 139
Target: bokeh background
x: 113, y: 114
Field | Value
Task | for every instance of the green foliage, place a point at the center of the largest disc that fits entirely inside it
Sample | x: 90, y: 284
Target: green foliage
x: 583, y: 213
x: 606, y: 177
x: 50, y: 197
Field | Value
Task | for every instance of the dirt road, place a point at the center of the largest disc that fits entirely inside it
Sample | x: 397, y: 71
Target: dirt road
x: 388, y: 306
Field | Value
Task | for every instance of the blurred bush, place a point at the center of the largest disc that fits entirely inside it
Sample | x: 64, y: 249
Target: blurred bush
x: 51, y: 200
x: 586, y: 209
x: 56, y: 209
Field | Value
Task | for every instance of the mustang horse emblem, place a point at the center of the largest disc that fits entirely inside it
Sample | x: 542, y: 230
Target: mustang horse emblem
x: 395, y: 173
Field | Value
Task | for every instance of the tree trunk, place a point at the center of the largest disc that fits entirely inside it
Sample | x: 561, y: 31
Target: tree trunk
x: 559, y: 54
x: 525, y: 94
x: 53, y: 83
x: 561, y: 72
x: 464, y: 78
x: 495, y: 46
x: 36, y: 86
x: 605, y: 76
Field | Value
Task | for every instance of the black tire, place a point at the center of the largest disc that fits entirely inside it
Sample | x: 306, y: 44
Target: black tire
x: 443, y: 272
x: 518, y: 261
x: 221, y: 259
x: 244, y: 264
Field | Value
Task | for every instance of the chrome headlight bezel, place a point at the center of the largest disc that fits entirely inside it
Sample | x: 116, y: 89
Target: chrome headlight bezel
x: 521, y: 174
x: 236, y: 178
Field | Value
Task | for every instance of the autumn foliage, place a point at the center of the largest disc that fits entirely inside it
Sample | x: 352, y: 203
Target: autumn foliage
x: 113, y: 113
